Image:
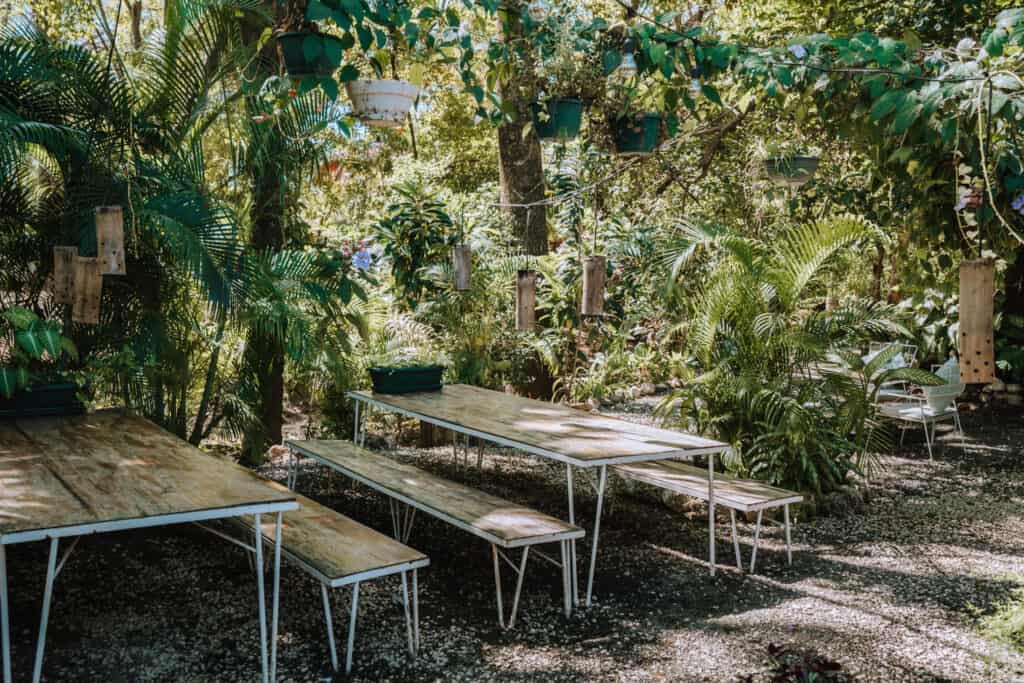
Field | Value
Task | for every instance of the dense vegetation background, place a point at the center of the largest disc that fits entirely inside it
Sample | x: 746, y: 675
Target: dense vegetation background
x: 277, y: 247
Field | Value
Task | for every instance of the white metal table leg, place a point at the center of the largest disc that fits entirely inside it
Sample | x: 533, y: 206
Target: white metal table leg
x: 597, y: 531
x: 352, y: 628
x: 711, y: 511
x: 5, y: 623
x: 262, y: 598
x: 330, y: 626
x: 757, y: 535
x: 355, y: 426
x: 497, y: 584
x: 566, y: 581
x: 276, y: 599
x: 408, y: 615
x: 789, y: 544
x: 416, y: 608
x: 519, y: 587
x: 927, y: 438
x: 735, y: 539
x: 44, y: 619
x: 573, y: 576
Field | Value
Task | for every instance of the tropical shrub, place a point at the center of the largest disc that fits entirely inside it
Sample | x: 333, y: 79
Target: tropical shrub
x: 760, y: 336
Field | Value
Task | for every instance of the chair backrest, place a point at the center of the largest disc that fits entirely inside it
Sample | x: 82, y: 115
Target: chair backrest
x: 908, y: 351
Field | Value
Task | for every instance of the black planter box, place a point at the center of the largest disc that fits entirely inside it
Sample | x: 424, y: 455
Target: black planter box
x: 407, y: 379
x: 43, y: 400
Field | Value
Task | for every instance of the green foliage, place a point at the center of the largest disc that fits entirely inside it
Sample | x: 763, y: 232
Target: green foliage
x: 415, y: 234
x: 1006, y: 624
x: 33, y: 351
x: 760, y: 338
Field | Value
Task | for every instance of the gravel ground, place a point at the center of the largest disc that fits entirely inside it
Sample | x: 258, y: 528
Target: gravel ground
x: 892, y: 593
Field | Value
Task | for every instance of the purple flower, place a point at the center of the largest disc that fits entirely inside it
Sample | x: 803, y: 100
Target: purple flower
x: 1018, y: 204
x: 798, y: 51
x: 362, y: 260
x: 961, y: 203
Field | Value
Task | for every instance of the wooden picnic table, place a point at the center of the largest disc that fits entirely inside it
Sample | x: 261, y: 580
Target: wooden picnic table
x: 553, y: 431
x: 112, y: 471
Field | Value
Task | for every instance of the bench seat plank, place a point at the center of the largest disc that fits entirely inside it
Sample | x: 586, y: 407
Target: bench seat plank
x: 495, y: 519
x: 338, y: 549
x: 741, y: 494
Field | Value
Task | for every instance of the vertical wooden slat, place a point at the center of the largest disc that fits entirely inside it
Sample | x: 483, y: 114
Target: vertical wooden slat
x: 526, y: 299
x: 593, y: 285
x: 977, y: 353
x: 110, y: 239
x: 462, y: 262
x: 88, y: 289
x: 64, y: 274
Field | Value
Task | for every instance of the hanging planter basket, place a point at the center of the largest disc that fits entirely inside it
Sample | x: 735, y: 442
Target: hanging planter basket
x: 636, y: 136
x: 593, y: 285
x: 791, y: 171
x: 110, y: 239
x: 526, y: 299
x: 310, y: 54
x: 564, y: 117
x: 977, y: 354
x: 383, y: 104
x: 462, y: 262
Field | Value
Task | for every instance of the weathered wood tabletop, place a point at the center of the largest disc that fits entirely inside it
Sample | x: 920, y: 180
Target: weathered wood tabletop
x: 111, y: 470
x: 550, y: 429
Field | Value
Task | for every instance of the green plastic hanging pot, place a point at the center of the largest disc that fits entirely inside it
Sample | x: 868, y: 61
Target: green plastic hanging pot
x: 564, y: 116
x: 793, y: 171
x: 310, y: 54
x: 637, y: 135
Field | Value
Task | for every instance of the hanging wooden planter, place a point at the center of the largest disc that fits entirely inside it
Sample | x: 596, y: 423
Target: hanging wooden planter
x: 88, y: 288
x: 462, y: 261
x: 593, y: 285
x: 526, y: 299
x: 110, y: 239
x: 977, y: 353
x: 64, y: 274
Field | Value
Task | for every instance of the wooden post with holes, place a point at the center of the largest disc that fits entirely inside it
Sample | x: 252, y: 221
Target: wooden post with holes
x: 526, y: 299
x: 64, y: 274
x: 593, y: 285
x: 462, y: 262
x: 977, y: 353
x: 88, y: 288
x: 110, y: 239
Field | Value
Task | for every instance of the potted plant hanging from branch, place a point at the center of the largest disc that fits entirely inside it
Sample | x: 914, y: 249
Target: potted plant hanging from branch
x: 406, y: 369
x: 788, y: 167
x: 627, y: 122
x: 569, y: 77
x: 35, y: 379
x: 380, y: 30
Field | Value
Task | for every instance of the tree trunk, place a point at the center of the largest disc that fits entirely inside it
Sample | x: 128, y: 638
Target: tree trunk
x: 520, y: 160
x: 264, y: 355
x: 877, y: 273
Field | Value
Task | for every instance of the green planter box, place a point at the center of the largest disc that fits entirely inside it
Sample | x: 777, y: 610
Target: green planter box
x: 637, y: 135
x: 565, y: 115
x: 41, y: 401
x: 299, y: 65
x: 407, y: 379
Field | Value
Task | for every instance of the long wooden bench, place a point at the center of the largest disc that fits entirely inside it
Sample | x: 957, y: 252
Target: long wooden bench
x: 741, y: 495
x: 503, y: 524
x: 338, y: 551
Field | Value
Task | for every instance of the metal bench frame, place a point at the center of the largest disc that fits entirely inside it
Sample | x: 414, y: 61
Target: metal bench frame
x: 403, y: 514
x: 411, y: 607
x: 722, y: 498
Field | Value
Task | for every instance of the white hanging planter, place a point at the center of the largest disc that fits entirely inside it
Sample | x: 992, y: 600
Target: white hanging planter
x: 383, y: 103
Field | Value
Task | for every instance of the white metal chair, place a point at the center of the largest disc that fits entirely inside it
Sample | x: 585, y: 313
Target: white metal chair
x: 916, y: 408
x: 897, y: 390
